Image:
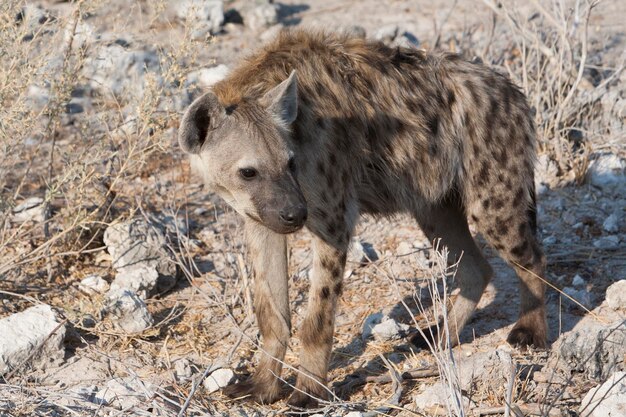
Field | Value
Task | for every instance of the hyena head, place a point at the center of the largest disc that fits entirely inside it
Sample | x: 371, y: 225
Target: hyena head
x: 243, y: 154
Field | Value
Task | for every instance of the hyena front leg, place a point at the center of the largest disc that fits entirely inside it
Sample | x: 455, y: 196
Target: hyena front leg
x: 268, y: 253
x: 316, y: 334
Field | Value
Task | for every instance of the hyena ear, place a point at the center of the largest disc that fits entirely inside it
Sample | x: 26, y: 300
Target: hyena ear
x: 198, y: 119
x: 282, y: 100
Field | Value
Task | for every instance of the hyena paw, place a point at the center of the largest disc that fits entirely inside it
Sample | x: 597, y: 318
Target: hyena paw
x: 306, y: 397
x: 523, y: 337
x: 426, y: 338
x: 302, y: 401
x: 261, y: 393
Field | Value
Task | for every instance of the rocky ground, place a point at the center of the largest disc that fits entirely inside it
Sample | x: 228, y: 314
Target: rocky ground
x: 123, y: 285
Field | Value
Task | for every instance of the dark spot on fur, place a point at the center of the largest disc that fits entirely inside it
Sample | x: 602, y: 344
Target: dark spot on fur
x: 519, y: 196
x: 486, y: 204
x: 483, y: 174
x: 321, y: 169
x: 433, y: 124
x: 498, y: 203
x: 325, y: 293
x: 520, y: 249
x: 338, y: 288
x: 451, y: 97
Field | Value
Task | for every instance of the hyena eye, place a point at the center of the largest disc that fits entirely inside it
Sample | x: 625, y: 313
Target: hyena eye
x: 291, y: 164
x: 248, y: 173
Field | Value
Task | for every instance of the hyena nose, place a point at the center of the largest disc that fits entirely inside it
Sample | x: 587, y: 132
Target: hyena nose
x: 293, y: 216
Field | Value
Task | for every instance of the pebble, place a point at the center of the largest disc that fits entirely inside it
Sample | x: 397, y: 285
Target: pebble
x: 606, y: 242
x: 218, y: 379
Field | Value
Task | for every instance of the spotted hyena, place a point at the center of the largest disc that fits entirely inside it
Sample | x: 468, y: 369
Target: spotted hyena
x: 315, y: 129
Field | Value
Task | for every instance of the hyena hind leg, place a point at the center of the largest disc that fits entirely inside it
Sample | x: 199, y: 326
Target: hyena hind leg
x: 447, y: 221
x: 509, y: 224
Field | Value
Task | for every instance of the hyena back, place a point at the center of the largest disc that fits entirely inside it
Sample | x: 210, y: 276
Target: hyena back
x: 315, y: 129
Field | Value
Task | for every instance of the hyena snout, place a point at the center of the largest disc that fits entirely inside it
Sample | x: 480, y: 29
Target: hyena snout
x: 293, y: 215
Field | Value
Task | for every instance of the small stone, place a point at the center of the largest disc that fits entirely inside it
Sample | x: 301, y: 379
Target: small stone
x: 34, y: 335
x: 578, y: 281
x: 389, y: 329
x: 616, y: 295
x: 581, y: 295
x: 139, y: 249
x: 606, y: 242
x: 93, y: 284
x: 261, y: 16
x: 124, y: 393
x: 129, y: 312
x: 354, y: 414
x: 611, y: 223
x: 606, y: 400
x: 607, y: 170
x: 404, y: 248
x: 438, y: 396
x: 31, y: 209
x: 595, y: 349
x: 207, y: 14
x: 218, y: 379
x: 361, y: 252
x: 550, y: 240
x: 142, y: 280
x: 182, y: 370
x: 88, y: 321
x: 369, y: 323
x: 386, y: 33
x: 207, y: 77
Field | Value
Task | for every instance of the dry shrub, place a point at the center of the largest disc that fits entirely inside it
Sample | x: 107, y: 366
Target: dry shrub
x: 82, y: 163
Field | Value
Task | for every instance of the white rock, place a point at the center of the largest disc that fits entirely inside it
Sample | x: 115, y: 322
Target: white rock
x: 82, y: 36
x: 593, y: 348
x: 182, y: 370
x: 205, y: 16
x: 124, y: 393
x: 389, y: 330
x: 404, y: 248
x: 581, y: 295
x: 354, y: 414
x: 607, y: 170
x: 31, y: 209
x: 139, y: 249
x: 611, y: 223
x: 38, y: 96
x: 386, y: 33
x: 369, y: 323
x: 436, y: 395
x: 93, y: 284
x: 578, y: 281
x: 22, y: 335
x: 218, y: 379
x: 607, y: 242
x: 117, y: 72
x: 141, y: 279
x: 361, y: 252
x: 606, y: 400
x: 550, y: 240
x: 129, y: 312
x: 616, y: 295
x: 261, y: 16
x: 206, y: 77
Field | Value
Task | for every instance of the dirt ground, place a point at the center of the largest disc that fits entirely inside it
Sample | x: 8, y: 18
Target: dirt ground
x: 206, y: 318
